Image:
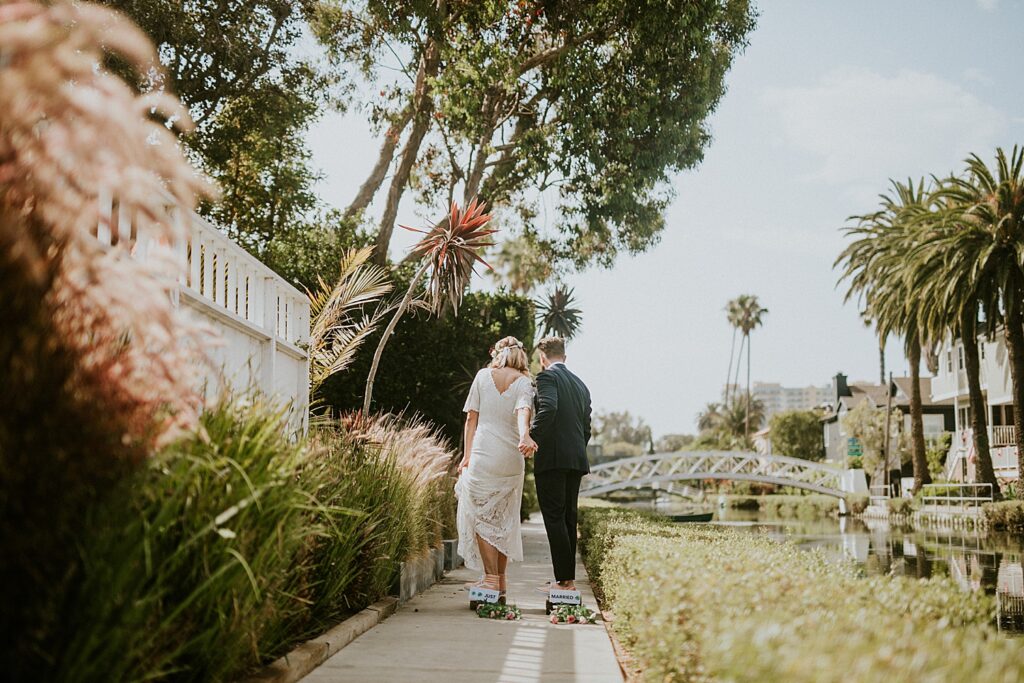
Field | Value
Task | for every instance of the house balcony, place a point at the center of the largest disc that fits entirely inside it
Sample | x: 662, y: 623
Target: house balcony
x: 1005, y: 435
x: 960, y: 461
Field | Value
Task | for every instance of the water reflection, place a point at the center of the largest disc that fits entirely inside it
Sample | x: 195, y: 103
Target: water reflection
x: 975, y: 561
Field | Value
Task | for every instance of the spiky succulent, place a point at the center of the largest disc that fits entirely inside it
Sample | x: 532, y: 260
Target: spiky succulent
x: 558, y: 313
x: 452, y: 249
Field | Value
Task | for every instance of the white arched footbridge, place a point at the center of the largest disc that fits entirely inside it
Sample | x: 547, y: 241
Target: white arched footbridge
x: 662, y: 469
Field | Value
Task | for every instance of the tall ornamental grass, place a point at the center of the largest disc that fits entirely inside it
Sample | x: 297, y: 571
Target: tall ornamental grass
x: 700, y: 603
x: 232, y: 545
x: 97, y: 365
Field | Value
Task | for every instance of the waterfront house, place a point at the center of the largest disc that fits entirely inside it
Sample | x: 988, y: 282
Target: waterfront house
x: 950, y: 384
x: 938, y: 414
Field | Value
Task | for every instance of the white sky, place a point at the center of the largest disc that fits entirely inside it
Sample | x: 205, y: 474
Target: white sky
x: 829, y: 101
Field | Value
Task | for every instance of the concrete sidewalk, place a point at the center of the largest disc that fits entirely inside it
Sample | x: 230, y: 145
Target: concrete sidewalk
x: 435, y: 637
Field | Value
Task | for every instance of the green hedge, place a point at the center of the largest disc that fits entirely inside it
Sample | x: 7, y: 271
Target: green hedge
x: 857, y: 503
x: 1005, y: 515
x: 701, y: 603
x: 812, y: 505
x: 429, y: 363
x: 227, y: 548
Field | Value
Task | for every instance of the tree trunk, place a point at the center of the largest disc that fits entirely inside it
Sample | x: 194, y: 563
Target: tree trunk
x: 728, y: 374
x: 979, y: 412
x: 1015, y: 348
x: 423, y: 106
x: 387, y: 154
x: 746, y: 418
x: 881, y: 361
x: 739, y: 364
x: 917, y: 449
x: 387, y: 335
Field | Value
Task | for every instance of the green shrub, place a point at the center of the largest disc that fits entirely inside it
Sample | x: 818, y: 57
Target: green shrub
x: 227, y: 548
x: 708, y: 603
x: 737, y: 502
x: 900, y: 506
x: 805, y: 506
x: 857, y: 503
x: 797, y: 433
x: 1005, y: 515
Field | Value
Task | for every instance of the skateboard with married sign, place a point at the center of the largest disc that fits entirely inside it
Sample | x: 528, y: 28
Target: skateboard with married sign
x: 479, y: 596
x: 561, y: 596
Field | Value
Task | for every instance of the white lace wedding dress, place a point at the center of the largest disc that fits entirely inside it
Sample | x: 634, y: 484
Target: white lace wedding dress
x: 490, y: 490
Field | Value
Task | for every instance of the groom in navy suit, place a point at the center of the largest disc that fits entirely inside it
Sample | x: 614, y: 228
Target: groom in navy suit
x: 561, y: 429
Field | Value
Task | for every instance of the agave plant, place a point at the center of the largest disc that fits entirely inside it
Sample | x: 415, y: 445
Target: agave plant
x: 449, y: 251
x: 558, y: 313
x: 340, y: 321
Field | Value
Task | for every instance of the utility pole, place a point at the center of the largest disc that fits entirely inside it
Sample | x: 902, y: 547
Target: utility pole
x: 888, y: 416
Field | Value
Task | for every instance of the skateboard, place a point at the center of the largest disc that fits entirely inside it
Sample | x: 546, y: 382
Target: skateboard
x: 479, y: 596
x: 560, y: 596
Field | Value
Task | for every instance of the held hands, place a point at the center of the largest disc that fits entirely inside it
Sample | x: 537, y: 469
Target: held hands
x: 527, y: 446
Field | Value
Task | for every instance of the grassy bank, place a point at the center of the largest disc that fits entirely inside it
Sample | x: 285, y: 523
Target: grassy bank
x: 788, y: 505
x: 705, y: 603
x: 227, y: 548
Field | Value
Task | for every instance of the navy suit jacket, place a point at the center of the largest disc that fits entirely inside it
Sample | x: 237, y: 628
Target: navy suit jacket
x: 561, y: 426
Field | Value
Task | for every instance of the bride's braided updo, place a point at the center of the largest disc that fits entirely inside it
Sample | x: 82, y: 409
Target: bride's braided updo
x: 510, y: 353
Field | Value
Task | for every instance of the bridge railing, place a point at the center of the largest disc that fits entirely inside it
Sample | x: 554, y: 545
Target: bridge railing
x: 643, y: 471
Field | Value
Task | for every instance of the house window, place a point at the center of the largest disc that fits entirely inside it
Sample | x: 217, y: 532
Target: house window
x: 960, y: 357
x: 949, y: 361
x: 981, y: 350
x: 964, y: 418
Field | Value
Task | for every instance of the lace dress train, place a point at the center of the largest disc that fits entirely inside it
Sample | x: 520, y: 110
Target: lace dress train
x: 490, y: 490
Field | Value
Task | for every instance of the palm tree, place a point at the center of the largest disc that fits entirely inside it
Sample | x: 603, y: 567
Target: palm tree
x: 988, y: 205
x: 519, y: 264
x: 558, y: 313
x: 950, y: 285
x: 710, y: 417
x: 450, y: 251
x: 728, y: 422
x: 733, y: 311
x: 341, y: 322
x: 876, y: 265
x: 748, y: 315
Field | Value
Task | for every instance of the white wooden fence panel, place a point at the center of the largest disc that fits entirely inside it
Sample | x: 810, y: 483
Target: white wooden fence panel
x: 262, y: 320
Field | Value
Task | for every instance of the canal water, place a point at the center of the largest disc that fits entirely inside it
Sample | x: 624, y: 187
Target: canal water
x: 976, y: 561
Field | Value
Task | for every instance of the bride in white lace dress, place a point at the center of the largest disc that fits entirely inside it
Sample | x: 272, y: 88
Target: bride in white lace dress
x: 490, y: 487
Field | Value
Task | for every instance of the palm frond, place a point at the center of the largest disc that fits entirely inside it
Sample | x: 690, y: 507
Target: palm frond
x: 340, y: 321
x: 558, y: 313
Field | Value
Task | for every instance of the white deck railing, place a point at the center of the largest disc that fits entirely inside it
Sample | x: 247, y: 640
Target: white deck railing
x: 262, y: 319
x: 880, y: 494
x: 1004, y: 435
x: 956, y: 496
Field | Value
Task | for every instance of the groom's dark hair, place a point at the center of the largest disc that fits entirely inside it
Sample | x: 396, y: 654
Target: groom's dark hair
x: 552, y: 347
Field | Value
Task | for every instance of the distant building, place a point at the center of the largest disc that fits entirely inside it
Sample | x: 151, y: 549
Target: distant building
x: 778, y: 399
x: 938, y: 415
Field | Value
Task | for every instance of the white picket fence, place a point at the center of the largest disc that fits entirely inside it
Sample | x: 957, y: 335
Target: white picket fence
x: 262, y: 320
